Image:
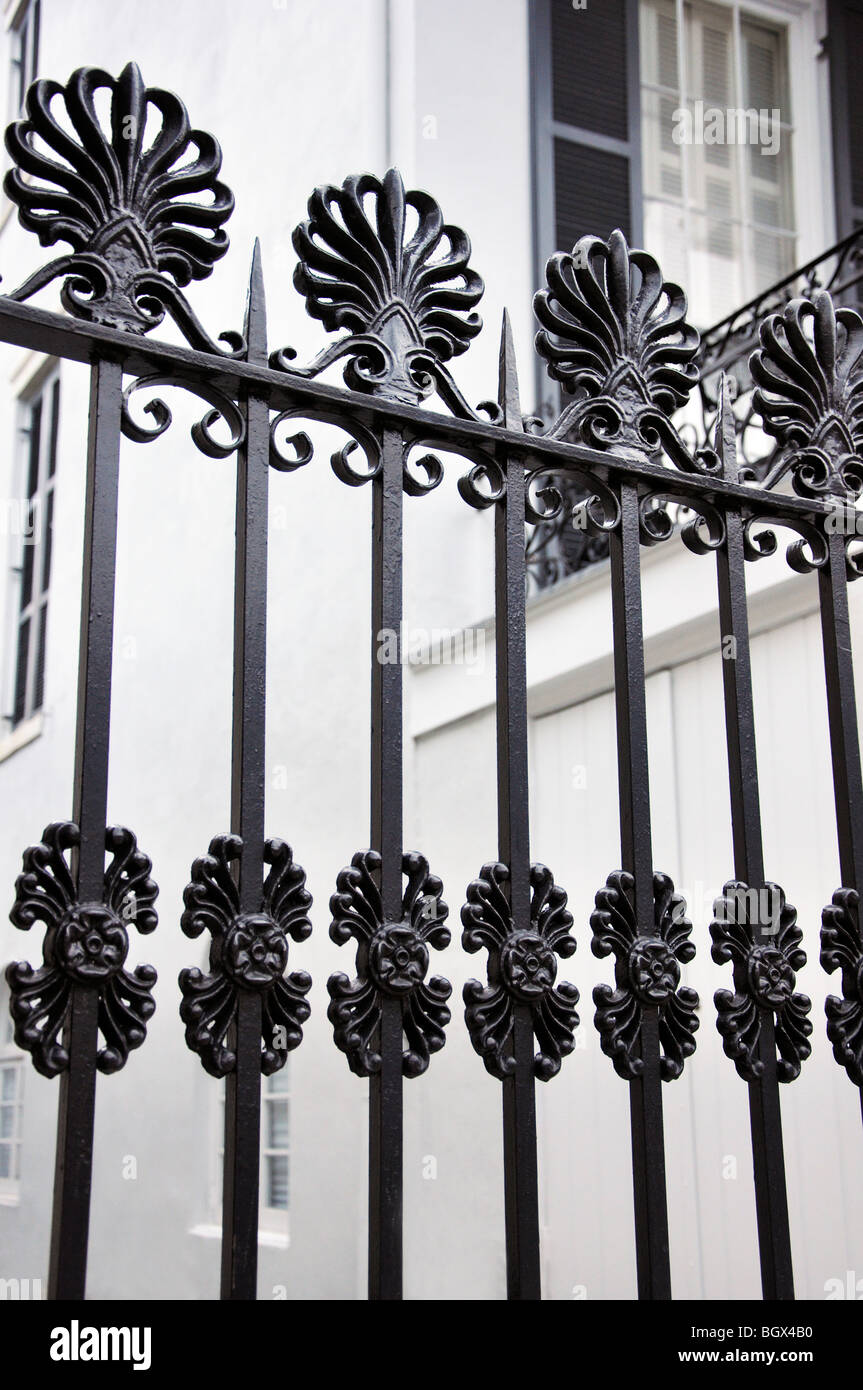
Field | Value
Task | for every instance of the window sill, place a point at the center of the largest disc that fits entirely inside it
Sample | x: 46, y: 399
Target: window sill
x: 10, y: 1199
x: 25, y: 733
x: 273, y: 1240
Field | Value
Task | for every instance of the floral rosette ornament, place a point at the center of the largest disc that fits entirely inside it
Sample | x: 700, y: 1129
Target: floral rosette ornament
x: 522, y: 969
x: 841, y: 949
x: 85, y: 946
x: 765, y: 955
x: 392, y: 961
x: 647, y: 975
x: 248, y: 952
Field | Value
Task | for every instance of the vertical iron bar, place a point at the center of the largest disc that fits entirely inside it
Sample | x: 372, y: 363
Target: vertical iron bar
x: 74, y: 1160
x: 385, y: 1087
x: 248, y: 781
x: 842, y: 715
x: 519, y: 1090
x: 842, y: 712
x: 645, y: 1091
x: 771, y: 1200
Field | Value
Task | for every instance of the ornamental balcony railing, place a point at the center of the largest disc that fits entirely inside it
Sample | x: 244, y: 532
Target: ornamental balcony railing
x: 558, y: 548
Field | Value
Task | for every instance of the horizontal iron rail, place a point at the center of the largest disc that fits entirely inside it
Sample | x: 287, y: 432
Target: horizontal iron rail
x: 39, y: 330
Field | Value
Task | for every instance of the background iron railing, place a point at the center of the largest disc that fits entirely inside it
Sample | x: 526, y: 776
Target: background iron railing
x: 556, y: 549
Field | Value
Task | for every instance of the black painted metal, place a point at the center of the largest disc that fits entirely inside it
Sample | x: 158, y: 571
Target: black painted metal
x: 248, y: 786
x: 78, y: 1085
x: 645, y: 1090
x: 771, y: 1199
x: 841, y: 935
x: 519, y: 1099
x: 385, y: 1093
x: 379, y: 263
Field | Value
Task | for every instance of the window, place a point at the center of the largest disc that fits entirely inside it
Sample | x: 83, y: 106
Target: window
x: 24, y: 54
x: 609, y: 82
x: 716, y: 158
x: 275, y: 1146
x: 11, y: 1087
x: 275, y: 1154
x: 40, y: 418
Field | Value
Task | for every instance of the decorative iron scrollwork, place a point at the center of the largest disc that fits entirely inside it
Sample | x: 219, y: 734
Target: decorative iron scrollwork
x: 700, y: 532
x: 808, y: 554
x: 842, y: 949
x: 221, y: 408
x: 764, y: 948
x: 405, y: 300
x: 248, y: 951
x: 522, y: 968
x: 614, y: 333
x: 647, y: 975
x: 86, y: 944
x: 810, y: 395
x: 392, y: 960
x: 119, y: 205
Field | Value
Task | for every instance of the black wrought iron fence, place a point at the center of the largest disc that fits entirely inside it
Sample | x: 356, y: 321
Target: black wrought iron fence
x: 617, y: 339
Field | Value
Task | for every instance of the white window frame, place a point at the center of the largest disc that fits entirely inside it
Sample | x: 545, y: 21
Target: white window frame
x: 273, y: 1222
x: 23, y: 67
x: 32, y: 550
x: 11, y: 1061
x: 811, y: 163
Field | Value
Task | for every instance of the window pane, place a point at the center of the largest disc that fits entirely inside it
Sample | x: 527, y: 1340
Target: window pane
x: 715, y: 205
x: 35, y: 441
x: 55, y: 425
x: 277, y: 1182
x: 278, y: 1128
x: 39, y: 674
x: 765, y: 70
x: 665, y: 227
x: 658, y: 41
x: 34, y: 45
x: 28, y: 555
x: 715, y: 281
x: 7, y: 1121
x: 774, y: 256
x: 9, y: 1083
x: 6, y: 1166
x: 21, y: 61
x: 47, y: 520
x: 279, y: 1083
x: 21, y: 670
x: 770, y: 183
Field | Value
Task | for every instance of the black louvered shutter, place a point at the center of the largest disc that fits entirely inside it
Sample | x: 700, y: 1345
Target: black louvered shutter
x: 586, y: 122
x: 845, y: 49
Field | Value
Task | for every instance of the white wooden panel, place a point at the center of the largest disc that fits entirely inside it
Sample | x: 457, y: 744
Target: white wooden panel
x: 587, y: 1193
